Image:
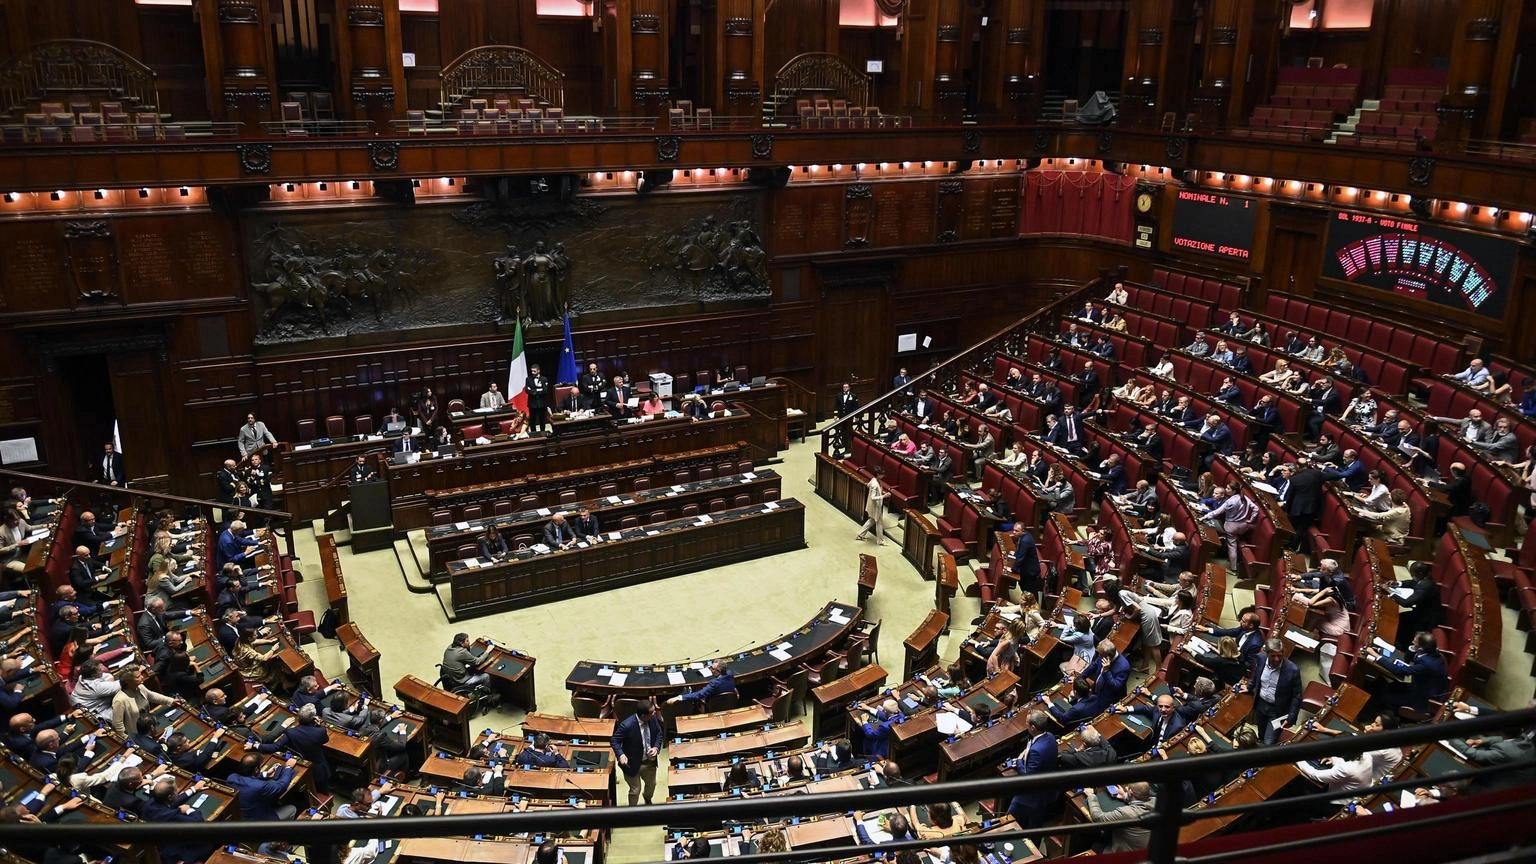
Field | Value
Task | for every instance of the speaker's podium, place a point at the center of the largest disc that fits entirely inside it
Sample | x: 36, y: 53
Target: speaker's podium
x: 369, y: 518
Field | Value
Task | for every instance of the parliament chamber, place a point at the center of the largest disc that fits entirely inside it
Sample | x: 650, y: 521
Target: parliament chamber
x: 879, y: 429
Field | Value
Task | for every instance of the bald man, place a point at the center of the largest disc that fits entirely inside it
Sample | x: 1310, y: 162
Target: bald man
x: 85, y: 573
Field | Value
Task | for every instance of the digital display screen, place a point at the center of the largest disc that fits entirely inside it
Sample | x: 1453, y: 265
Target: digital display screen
x: 1214, y: 223
x: 1458, y: 269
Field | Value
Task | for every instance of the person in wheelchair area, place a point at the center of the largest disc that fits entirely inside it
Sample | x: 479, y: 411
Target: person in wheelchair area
x: 461, y: 666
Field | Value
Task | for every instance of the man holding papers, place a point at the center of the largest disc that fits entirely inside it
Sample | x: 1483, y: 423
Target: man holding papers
x: 1276, y: 685
x: 722, y: 682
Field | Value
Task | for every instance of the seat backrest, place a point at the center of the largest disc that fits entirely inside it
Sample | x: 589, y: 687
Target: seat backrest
x: 307, y: 430
x: 363, y: 424
x: 336, y: 426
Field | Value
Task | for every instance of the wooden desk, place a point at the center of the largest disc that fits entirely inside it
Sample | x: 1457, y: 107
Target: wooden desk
x: 981, y: 747
x: 703, y: 725
x: 783, y: 736
x: 830, y: 701
x: 511, y: 673
x: 869, y: 571
x: 923, y: 645
x: 568, y: 728
x: 825, y: 632
x: 946, y: 581
x: 362, y: 659
x: 444, y: 541
x: 637, y: 555
x: 920, y: 542
x: 448, y: 715
x: 335, y: 585
x: 912, y: 742
x: 509, y: 460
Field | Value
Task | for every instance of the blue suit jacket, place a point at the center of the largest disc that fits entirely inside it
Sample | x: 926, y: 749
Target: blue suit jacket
x: 1114, y: 480
x: 1219, y: 438
x: 258, y: 798
x: 627, y: 740
x: 1352, y: 474
x: 725, y: 682
x: 232, y: 548
x: 307, y: 742
x: 1176, y: 722
x: 877, y: 733
x: 1248, y: 643
x: 1429, y: 678
x: 1026, y: 559
x: 1039, y: 758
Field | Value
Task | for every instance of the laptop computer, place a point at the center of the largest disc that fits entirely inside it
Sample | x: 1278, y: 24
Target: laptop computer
x: 401, y: 458
x: 396, y: 428
x: 759, y: 381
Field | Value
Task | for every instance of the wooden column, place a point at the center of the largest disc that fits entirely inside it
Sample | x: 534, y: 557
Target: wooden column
x: 952, y: 41
x: 635, y: 48
x: 237, y: 54
x: 1470, y: 107
x: 1012, y: 52
x: 919, y: 37
x: 733, y: 57
x: 1218, y: 79
x: 368, y: 59
x: 1140, y: 92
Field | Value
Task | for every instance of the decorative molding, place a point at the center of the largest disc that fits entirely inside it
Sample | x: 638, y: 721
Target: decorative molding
x: 951, y: 187
x: 385, y: 155
x: 855, y: 242
x: 970, y: 141
x: 97, y: 295
x: 1106, y: 141
x: 738, y: 27
x: 1149, y: 36
x: 54, y: 347
x: 94, y: 229
x: 948, y: 236
x: 949, y: 32
x: 1225, y: 35
x: 369, y: 15
x: 239, y: 12
x: 385, y: 93
x: 668, y: 148
x: 1483, y: 29
x: 762, y: 146
x: 233, y: 96
x: 1018, y: 35
x: 856, y: 191
x: 1042, y: 140
x: 254, y: 158
x: 645, y: 23
x: 1175, y: 148
x: 1420, y: 170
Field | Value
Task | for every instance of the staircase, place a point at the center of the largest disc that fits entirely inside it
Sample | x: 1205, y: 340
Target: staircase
x: 1346, y: 127
x: 1052, y: 102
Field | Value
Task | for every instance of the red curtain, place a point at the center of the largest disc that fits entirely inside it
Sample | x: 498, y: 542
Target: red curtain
x: 1084, y: 203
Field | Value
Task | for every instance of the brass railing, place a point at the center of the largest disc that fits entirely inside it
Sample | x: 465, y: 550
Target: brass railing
x: 495, y: 69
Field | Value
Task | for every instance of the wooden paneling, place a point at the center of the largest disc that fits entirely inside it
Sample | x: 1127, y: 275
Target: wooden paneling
x: 176, y: 55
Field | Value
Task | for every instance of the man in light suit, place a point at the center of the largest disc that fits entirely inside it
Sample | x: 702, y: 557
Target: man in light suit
x: 636, y: 742
x: 943, y: 469
x: 982, y: 451
x: 1139, y: 803
x: 112, y: 466
x: 1276, y: 686
x: 1032, y: 809
x: 1501, y: 446
x: 253, y: 435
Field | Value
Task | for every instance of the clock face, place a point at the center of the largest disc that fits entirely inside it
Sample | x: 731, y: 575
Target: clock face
x: 1144, y: 202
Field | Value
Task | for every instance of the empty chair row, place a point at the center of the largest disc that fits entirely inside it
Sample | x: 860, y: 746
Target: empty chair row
x: 1226, y: 295
x: 471, y: 512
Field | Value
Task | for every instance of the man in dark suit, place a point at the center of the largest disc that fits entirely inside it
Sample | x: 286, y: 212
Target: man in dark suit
x: 152, y: 625
x: 923, y: 409
x: 1420, y: 610
x: 902, y: 382
x: 943, y: 470
x: 1250, y: 639
x: 591, y: 383
x: 1109, y: 671
x: 538, y: 387
x: 1087, y: 384
x: 406, y: 444
x: 616, y: 398
x: 91, y: 534
x: 1166, y: 720
x: 194, y: 760
x: 227, y: 631
x: 1217, y: 438
x: 586, y: 525
x: 1092, y: 751
x: 847, y: 403
x: 1276, y: 686
x: 485, y: 781
x: 258, y: 794
x: 1324, y: 400
x: 1301, y: 494
x: 1112, y: 478
x: 1167, y: 561
x: 112, y: 466
x: 558, y: 533
x: 1184, y: 413
x: 1351, y: 471
x: 1423, y: 667
x: 361, y: 471
x: 306, y: 738
x: 1266, y: 420
x: 84, y: 573
x: 1026, y: 560
x: 636, y: 742
x: 1032, y: 809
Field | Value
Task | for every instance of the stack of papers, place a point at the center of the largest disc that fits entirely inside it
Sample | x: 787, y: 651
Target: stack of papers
x: 1301, y: 639
x: 675, y: 679
x: 836, y: 616
x: 1196, y: 645
x: 618, y: 679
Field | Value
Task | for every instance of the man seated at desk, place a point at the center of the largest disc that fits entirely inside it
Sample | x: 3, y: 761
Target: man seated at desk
x: 492, y: 544
x: 694, y: 407
x: 722, y: 682
x: 461, y: 664
x: 1423, y: 667
x: 558, y: 534
x: 586, y: 525
x: 492, y: 399
x: 541, y: 754
x: 407, y: 444
x: 237, y: 546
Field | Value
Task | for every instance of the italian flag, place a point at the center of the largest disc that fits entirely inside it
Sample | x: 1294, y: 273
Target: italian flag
x: 517, y: 378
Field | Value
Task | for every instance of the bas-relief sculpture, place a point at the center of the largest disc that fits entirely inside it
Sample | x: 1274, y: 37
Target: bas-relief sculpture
x: 395, y: 268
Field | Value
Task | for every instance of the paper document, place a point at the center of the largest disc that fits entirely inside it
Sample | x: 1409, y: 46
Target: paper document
x: 604, y: 673
x: 705, y: 519
x: 1301, y: 639
x: 836, y: 616
x: 613, y: 499
x: 1402, y: 593
x: 614, y: 535
x: 472, y: 563
x: 780, y: 654
x: 750, y: 475
x: 675, y: 678
x: 542, y: 511
x: 461, y: 526
x: 618, y: 679
x: 950, y: 723
x: 1264, y: 487
x: 1383, y: 645
x: 1196, y: 645
x: 771, y: 505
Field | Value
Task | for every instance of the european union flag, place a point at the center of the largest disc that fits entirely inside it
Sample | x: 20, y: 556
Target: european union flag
x: 569, y: 370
